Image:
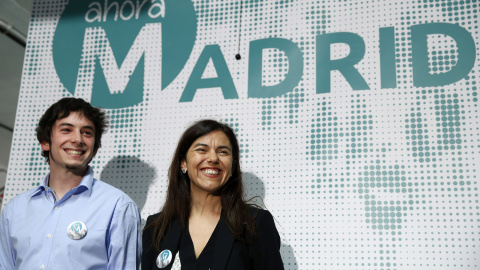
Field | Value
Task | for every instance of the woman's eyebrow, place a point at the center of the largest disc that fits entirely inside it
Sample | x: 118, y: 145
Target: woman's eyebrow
x: 205, y: 145
x: 200, y: 144
x: 225, y: 147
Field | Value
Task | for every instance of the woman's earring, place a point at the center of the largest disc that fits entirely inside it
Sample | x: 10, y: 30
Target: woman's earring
x: 184, y: 171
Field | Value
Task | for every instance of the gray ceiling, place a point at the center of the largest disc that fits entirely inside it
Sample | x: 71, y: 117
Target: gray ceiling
x: 14, y: 15
x: 17, y: 14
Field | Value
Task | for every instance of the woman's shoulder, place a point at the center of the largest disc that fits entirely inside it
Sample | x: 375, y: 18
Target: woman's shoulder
x: 265, y: 229
x: 259, y: 214
x: 150, y: 224
x: 152, y: 218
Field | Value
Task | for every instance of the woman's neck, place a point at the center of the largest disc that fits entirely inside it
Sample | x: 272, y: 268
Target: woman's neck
x: 206, y: 204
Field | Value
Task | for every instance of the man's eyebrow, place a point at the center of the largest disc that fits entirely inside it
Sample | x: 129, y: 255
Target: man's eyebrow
x: 70, y: 125
x: 89, y: 127
x: 65, y: 124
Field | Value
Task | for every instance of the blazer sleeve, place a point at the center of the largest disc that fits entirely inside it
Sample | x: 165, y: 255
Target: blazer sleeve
x: 268, y: 243
x: 149, y: 255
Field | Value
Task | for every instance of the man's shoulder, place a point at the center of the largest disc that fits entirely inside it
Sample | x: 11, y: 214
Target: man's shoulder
x: 21, y: 199
x: 100, y: 188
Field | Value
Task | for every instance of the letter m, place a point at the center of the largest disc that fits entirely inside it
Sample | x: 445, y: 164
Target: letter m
x: 104, y: 83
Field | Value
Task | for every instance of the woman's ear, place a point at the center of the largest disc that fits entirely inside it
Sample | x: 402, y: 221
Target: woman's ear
x: 183, y: 166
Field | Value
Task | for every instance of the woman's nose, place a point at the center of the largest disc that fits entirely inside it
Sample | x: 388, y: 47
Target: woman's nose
x: 212, y: 157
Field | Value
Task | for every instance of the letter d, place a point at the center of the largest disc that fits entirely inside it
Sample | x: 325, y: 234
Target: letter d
x: 295, y: 68
x: 465, y: 56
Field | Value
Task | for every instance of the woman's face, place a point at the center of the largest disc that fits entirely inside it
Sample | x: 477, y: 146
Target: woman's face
x: 209, y: 162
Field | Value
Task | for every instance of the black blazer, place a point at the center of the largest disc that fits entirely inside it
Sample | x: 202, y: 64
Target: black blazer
x: 262, y: 252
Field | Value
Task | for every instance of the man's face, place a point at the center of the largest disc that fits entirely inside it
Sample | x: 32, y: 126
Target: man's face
x: 72, y: 144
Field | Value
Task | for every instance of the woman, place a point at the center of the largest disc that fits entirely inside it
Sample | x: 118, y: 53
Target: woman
x: 205, y: 223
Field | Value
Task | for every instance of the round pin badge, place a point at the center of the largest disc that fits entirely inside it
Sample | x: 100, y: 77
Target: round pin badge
x: 164, y: 258
x: 77, y: 230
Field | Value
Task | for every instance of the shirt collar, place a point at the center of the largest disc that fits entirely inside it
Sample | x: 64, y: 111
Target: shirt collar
x: 85, y: 185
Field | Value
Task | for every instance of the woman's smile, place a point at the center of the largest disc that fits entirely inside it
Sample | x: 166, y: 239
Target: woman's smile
x: 209, y: 162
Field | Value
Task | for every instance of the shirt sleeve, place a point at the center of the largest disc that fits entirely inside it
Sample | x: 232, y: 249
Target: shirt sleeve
x: 268, y: 243
x: 124, y: 245
x: 7, y: 253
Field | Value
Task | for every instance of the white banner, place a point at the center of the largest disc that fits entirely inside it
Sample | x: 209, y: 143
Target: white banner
x: 358, y: 121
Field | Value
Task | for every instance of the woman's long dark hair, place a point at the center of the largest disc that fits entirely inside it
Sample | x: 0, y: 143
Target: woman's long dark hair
x: 179, y: 198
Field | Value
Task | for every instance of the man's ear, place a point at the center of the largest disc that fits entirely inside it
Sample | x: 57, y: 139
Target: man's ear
x: 45, y: 146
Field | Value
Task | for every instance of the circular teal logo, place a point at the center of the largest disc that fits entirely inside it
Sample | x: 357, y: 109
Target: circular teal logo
x: 76, y: 230
x: 104, y: 50
x: 164, y: 259
x: 76, y: 227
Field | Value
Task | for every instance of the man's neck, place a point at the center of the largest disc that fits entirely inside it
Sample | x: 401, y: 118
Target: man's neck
x: 62, y: 181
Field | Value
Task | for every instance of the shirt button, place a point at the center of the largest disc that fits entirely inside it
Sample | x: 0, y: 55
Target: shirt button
x: 56, y: 208
x: 49, y: 236
x: 42, y: 266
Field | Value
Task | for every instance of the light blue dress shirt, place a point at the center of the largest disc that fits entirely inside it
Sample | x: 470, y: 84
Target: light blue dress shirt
x: 33, y: 229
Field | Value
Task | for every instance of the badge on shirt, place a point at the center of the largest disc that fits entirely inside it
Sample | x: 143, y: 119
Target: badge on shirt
x: 164, y: 258
x: 77, y: 230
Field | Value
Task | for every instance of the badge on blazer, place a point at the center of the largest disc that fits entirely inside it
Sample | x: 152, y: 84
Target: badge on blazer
x: 164, y: 258
x: 77, y: 230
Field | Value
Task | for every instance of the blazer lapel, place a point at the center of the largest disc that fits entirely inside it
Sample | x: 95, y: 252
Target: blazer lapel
x: 223, y: 245
x: 172, y: 241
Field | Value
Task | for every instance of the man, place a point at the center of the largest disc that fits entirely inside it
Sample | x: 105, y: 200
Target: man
x: 71, y: 221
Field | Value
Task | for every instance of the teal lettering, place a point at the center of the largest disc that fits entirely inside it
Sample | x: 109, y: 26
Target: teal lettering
x: 223, y: 80
x: 292, y: 78
x: 110, y: 86
x: 388, y: 68
x: 102, y: 97
x: 420, y: 65
x: 345, y: 65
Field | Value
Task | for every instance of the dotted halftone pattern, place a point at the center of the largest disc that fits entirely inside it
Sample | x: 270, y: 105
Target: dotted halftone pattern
x: 370, y: 179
